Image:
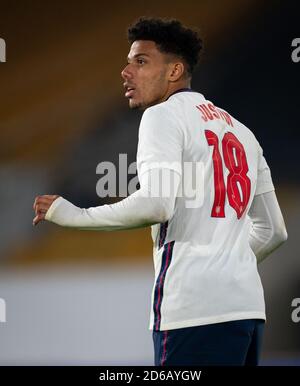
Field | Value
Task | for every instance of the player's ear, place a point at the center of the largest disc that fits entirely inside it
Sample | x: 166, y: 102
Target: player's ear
x: 176, y: 71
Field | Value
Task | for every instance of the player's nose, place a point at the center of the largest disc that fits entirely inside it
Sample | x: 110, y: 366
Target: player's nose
x: 126, y: 74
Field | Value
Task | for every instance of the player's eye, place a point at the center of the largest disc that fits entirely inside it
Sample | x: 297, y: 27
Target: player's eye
x: 141, y: 61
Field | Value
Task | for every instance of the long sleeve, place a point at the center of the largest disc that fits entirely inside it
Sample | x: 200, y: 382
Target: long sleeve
x: 140, y: 209
x: 268, y: 230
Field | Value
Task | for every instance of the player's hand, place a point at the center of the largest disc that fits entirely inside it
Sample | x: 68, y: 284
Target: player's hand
x: 41, y: 206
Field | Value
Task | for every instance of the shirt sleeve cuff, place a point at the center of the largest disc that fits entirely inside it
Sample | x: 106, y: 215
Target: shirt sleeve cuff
x: 55, y: 204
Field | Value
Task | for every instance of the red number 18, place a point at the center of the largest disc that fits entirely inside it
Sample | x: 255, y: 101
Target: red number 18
x: 237, y: 181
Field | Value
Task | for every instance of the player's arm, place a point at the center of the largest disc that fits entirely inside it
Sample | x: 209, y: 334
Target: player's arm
x: 140, y: 209
x: 268, y: 230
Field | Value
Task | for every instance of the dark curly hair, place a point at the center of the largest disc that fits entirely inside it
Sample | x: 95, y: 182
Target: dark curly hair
x: 170, y: 37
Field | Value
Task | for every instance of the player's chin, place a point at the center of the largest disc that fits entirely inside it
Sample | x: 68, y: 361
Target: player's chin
x: 134, y: 104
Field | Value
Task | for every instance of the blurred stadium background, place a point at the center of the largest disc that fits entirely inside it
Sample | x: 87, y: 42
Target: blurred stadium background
x: 83, y: 297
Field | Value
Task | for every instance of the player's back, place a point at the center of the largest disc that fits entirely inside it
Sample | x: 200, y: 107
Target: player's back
x: 203, y: 253
x: 225, y: 153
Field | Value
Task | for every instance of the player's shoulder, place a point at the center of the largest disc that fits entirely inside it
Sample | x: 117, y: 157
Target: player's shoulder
x: 165, y: 111
x: 160, y: 108
x: 243, y: 127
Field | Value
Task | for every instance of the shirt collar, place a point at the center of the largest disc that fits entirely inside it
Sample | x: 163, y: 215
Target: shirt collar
x: 180, y: 90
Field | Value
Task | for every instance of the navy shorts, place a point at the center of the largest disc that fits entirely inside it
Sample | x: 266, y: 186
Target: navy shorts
x: 234, y: 343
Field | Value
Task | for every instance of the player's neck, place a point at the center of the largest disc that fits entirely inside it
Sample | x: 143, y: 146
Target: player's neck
x: 183, y: 85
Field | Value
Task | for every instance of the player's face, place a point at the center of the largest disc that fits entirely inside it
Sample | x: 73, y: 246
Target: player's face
x: 146, y: 75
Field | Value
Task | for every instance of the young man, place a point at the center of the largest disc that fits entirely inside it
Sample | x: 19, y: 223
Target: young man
x: 207, y: 300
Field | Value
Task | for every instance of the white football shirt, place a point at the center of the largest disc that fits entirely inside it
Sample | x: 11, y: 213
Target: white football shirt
x: 205, y: 270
